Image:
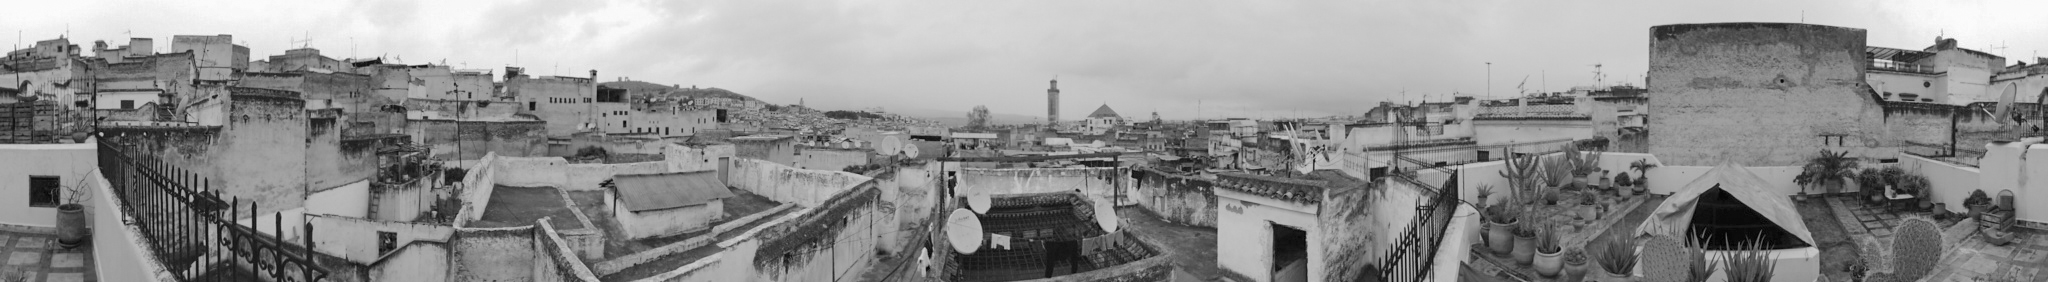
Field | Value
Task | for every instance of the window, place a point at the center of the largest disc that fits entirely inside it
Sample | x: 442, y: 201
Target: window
x: 43, y: 191
x: 530, y: 105
x: 386, y: 241
x: 127, y: 104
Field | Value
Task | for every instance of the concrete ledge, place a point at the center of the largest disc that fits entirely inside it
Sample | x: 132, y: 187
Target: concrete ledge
x: 46, y: 230
x: 749, y: 219
x: 615, y: 265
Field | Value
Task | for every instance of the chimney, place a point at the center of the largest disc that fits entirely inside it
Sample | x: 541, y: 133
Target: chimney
x: 593, y: 75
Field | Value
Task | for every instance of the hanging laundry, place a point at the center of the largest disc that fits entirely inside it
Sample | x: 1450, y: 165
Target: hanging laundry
x: 999, y: 241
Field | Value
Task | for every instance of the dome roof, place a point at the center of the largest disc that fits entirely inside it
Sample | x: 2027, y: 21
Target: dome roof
x: 1104, y: 112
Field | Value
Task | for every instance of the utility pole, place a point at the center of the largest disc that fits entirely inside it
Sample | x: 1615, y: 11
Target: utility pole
x: 1489, y: 80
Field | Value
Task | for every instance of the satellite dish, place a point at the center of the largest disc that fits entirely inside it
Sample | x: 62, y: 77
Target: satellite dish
x: 963, y: 230
x: 1105, y: 216
x: 979, y: 202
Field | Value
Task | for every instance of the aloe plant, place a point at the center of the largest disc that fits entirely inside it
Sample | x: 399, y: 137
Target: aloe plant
x: 1546, y: 241
x: 1749, y: 262
x: 1619, y: 257
x: 1700, y: 267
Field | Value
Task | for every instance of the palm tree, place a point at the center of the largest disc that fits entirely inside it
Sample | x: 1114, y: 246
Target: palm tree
x: 1827, y: 169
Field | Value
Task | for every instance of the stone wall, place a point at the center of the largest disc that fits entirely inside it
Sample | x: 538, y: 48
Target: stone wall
x: 418, y: 261
x: 1764, y: 94
x: 1176, y: 198
x: 494, y: 254
x: 830, y: 159
x: 469, y: 140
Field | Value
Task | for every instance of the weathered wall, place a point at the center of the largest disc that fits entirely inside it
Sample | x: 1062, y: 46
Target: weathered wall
x: 1920, y: 122
x: 555, y: 258
x: 1096, y: 182
x: 577, y: 96
x: 70, y: 163
x: 1499, y: 131
x: 833, y: 242
x: 459, y: 109
x: 790, y: 185
x: 780, y: 150
x: 419, y: 261
x: 559, y: 173
x: 1759, y: 93
x: 1361, y: 225
x: 469, y: 140
x: 830, y: 159
x: 407, y: 201
x: 1179, y: 199
x: 356, y: 239
x: 1245, y: 222
x: 686, y: 158
x: 665, y: 222
x: 495, y: 254
x: 263, y: 126
x: 476, y: 190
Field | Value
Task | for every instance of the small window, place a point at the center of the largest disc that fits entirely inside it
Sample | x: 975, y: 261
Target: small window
x: 386, y: 241
x: 1888, y: 161
x: 530, y: 105
x: 127, y: 104
x: 43, y: 191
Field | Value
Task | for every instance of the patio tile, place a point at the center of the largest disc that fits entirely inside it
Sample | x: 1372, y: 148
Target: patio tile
x: 65, y: 277
x: 1999, y: 251
x: 67, y: 260
x: 33, y: 243
x: 2026, y: 274
x: 2026, y: 255
x: 24, y: 258
x: 1886, y: 232
x: 1980, y: 264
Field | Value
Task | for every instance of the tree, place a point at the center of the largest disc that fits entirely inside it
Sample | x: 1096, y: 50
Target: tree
x: 978, y: 118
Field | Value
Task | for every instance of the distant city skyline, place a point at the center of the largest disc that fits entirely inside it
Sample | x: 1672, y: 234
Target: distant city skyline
x: 1237, y: 59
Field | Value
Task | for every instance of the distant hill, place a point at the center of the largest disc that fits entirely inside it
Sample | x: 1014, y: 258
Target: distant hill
x: 959, y: 117
x: 643, y: 89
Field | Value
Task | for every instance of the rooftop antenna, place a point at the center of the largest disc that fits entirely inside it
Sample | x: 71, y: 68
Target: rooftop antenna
x: 1599, y: 79
x: 2001, y: 49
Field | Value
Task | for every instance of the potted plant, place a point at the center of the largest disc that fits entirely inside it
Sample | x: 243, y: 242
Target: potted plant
x: 1977, y: 202
x: 71, y: 226
x: 1623, y: 182
x: 1499, y: 237
x: 1575, y: 265
x: 1587, y: 207
x: 1642, y: 168
x: 1525, y: 240
x: 1826, y: 170
x: 1618, y: 259
x: 1550, y: 197
x: 1605, y: 182
x: 1548, y: 256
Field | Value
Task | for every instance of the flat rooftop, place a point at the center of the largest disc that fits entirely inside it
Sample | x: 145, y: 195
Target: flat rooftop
x: 520, y: 206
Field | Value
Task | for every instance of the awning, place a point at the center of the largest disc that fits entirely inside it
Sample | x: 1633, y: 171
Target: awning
x: 1674, y: 216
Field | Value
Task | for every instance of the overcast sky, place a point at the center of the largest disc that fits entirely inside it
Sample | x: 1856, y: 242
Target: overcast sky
x: 1236, y: 58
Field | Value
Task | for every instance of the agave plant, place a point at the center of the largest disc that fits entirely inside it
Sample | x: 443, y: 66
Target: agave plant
x: 1749, y: 262
x: 1619, y: 257
x: 1546, y: 241
x: 1700, y: 267
x: 1558, y: 172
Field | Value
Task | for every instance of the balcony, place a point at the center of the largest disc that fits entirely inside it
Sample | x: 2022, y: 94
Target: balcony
x: 1902, y: 67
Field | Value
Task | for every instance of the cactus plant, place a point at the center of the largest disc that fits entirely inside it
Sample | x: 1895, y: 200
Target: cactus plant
x: 1665, y: 259
x: 1916, y: 248
x: 1619, y: 256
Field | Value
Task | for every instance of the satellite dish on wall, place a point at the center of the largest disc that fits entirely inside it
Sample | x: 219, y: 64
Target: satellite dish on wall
x: 963, y: 230
x: 1105, y: 216
x: 979, y: 202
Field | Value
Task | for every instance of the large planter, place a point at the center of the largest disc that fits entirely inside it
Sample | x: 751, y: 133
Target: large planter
x: 1581, y: 180
x: 1589, y: 211
x: 1525, y: 250
x: 1610, y: 276
x: 71, y: 225
x: 1547, y: 264
x: 1941, y: 210
x: 1500, y: 238
x: 1978, y: 209
x: 1637, y: 191
x: 1574, y: 272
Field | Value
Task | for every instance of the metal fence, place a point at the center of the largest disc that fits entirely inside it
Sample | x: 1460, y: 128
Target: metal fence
x: 1942, y: 152
x: 1415, y: 252
x: 185, y: 223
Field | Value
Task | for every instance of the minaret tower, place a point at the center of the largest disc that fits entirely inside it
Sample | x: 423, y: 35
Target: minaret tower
x: 1052, y: 104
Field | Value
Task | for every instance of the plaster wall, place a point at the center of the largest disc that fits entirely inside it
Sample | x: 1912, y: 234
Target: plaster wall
x: 1245, y: 222
x: 348, y: 200
x: 666, y: 222
x: 565, y: 117
x: 72, y: 164
x: 1512, y: 131
x: 1178, y: 199
x: 829, y: 159
x: 476, y: 190
x: 355, y: 239
x: 1360, y: 226
x: 419, y: 261
x: 790, y: 185
x: 470, y: 140
x: 56, y: 82
x: 684, y: 158
x: 1898, y: 84
x: 407, y: 201
x: 1097, y: 183
x: 1760, y: 93
x: 559, y: 173
x: 1951, y: 183
x: 118, y: 249
x: 777, y: 150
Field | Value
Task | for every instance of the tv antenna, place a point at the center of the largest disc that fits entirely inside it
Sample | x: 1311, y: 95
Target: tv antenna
x: 1598, y: 78
x: 1519, y: 87
x: 2000, y: 48
x: 304, y: 42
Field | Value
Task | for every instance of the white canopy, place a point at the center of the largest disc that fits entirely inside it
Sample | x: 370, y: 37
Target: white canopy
x: 1672, y: 218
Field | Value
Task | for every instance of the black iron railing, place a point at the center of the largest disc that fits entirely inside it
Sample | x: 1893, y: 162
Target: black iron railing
x: 1415, y: 252
x: 1943, y: 152
x: 186, y: 225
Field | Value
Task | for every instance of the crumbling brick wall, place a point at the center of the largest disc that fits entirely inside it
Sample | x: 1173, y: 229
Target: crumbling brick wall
x: 1762, y: 94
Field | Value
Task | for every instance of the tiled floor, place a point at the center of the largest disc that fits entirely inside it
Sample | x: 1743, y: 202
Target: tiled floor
x: 2026, y: 259
x: 36, y: 257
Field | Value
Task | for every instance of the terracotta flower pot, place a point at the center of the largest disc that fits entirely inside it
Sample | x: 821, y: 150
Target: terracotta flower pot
x: 1637, y: 191
x: 1978, y: 209
x: 1525, y: 250
x: 1589, y: 211
x: 71, y: 225
x: 1615, y: 276
x: 1574, y: 272
x: 1500, y: 238
x: 1547, y: 264
x: 1941, y: 210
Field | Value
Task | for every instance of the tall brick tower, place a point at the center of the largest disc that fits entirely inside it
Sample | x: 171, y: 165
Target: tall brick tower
x: 1052, y: 104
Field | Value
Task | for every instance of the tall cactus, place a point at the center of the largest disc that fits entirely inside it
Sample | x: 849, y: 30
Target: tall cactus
x: 1665, y: 259
x: 1916, y: 249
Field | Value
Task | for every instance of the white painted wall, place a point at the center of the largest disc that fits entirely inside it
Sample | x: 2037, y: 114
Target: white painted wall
x: 1497, y: 132
x: 356, y: 239
x: 70, y: 163
x: 350, y: 200
x: 664, y: 222
x: 1950, y: 183
x: 118, y: 249
x: 1243, y: 221
x: 422, y: 261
